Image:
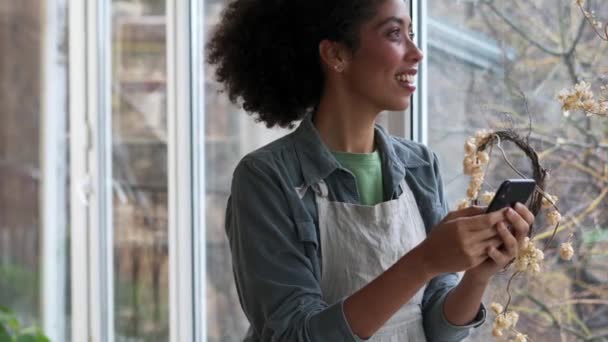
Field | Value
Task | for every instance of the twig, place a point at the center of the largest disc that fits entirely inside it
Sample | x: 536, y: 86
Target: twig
x: 519, y: 31
x: 509, y: 290
x: 590, y: 20
x: 554, y: 319
x: 587, y: 211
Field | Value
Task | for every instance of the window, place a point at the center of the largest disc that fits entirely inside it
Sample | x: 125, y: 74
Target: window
x: 482, y: 57
x: 115, y: 175
x: 34, y: 191
x: 229, y: 135
x: 139, y: 171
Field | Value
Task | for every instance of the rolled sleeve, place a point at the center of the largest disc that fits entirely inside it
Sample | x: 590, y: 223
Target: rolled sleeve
x: 436, y: 326
x: 275, y: 278
x: 326, y: 323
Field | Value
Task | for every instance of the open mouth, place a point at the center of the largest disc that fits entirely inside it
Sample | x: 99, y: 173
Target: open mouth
x: 406, y: 80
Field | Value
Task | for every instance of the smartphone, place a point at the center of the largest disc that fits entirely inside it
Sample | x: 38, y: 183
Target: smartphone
x: 510, y: 192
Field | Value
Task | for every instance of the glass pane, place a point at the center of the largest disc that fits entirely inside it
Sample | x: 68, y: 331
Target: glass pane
x: 139, y: 140
x: 34, y: 187
x: 482, y: 57
x: 229, y: 135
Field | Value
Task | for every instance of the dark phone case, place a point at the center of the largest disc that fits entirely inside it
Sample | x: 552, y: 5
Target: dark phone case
x: 510, y: 192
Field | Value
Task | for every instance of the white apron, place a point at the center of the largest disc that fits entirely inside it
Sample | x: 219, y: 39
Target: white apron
x: 360, y: 242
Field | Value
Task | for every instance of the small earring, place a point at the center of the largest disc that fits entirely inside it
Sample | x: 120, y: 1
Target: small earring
x: 338, y: 68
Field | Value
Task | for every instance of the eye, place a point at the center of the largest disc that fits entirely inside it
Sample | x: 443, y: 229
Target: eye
x: 395, y: 34
x: 412, y: 35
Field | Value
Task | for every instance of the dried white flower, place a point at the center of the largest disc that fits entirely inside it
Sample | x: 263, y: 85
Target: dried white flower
x: 520, y: 338
x: 483, y: 157
x: 470, y: 147
x: 475, y: 161
x: 581, y: 98
x: 487, y: 196
x: 566, y: 252
x: 529, y: 257
x: 464, y: 203
x: 504, y: 321
x: 496, y: 308
x: 549, y: 201
x: 513, y: 317
x: 553, y: 217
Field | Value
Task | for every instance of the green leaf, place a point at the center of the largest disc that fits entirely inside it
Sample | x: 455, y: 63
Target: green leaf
x: 4, y: 335
x: 8, y: 317
x: 595, y: 236
x: 35, y: 332
x: 28, y: 338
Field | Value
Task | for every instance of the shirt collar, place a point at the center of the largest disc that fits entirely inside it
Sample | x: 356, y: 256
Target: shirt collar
x: 317, y: 162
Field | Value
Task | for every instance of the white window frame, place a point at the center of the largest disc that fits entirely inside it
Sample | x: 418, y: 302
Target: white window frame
x: 91, y: 166
x: 54, y: 173
x: 418, y: 129
x: 90, y: 170
x: 186, y: 149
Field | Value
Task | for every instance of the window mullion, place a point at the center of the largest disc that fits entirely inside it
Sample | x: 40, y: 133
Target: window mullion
x: 419, y: 112
x: 180, y: 183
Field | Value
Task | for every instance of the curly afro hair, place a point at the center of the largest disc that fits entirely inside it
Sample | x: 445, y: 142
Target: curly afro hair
x: 266, y: 52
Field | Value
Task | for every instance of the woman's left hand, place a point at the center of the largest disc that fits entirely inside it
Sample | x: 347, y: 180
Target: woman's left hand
x: 520, y: 219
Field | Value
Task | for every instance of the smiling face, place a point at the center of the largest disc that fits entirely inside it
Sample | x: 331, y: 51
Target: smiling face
x: 381, y: 71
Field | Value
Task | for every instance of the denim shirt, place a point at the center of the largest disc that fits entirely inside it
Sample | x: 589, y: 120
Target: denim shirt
x: 272, y: 227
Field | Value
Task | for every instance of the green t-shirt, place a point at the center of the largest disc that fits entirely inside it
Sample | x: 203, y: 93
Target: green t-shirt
x: 367, y: 168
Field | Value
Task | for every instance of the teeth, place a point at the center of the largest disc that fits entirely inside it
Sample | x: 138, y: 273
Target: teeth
x: 405, y: 78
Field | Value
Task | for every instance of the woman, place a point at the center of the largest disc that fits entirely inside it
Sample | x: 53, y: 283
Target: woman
x: 339, y: 231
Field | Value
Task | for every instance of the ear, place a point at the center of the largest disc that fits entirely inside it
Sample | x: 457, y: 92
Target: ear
x: 334, y: 55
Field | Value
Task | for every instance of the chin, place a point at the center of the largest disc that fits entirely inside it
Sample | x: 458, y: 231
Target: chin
x: 397, y: 106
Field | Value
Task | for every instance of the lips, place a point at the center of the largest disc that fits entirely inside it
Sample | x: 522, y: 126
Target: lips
x: 406, y: 78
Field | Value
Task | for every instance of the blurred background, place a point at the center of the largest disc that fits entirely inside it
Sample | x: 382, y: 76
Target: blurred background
x: 489, y: 64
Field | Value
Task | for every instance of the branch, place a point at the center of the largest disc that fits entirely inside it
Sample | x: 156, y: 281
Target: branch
x: 592, y: 206
x: 579, y: 35
x: 554, y: 319
x: 523, y: 34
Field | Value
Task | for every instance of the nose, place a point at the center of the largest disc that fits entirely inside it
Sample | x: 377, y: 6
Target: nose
x: 413, y: 53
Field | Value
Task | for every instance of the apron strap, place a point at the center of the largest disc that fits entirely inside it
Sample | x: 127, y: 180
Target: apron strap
x: 403, y: 185
x: 301, y: 190
x: 320, y: 188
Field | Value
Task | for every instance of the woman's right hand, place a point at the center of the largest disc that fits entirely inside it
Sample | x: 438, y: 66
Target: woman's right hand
x: 461, y: 240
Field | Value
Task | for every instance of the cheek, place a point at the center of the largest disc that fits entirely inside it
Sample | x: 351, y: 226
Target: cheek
x: 389, y: 57
x: 382, y: 61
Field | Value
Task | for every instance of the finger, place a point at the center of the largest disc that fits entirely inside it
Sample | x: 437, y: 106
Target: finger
x: 524, y: 212
x: 488, y: 220
x: 495, y: 242
x: 508, y: 240
x: 484, y: 234
x: 480, y: 259
x: 482, y: 248
x: 518, y: 223
x: 498, y: 257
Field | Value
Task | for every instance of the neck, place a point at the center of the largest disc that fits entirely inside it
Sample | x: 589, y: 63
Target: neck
x: 344, y: 125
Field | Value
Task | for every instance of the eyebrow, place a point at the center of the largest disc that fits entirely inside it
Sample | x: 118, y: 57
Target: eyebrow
x: 393, y: 19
